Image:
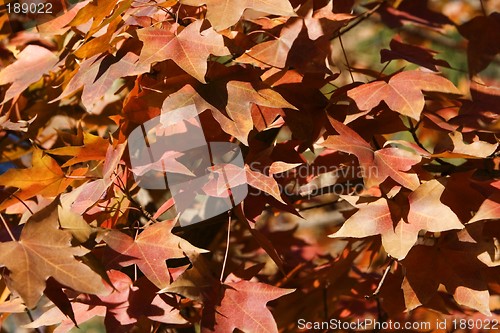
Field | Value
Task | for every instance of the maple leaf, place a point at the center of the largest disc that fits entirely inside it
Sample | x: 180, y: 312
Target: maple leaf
x: 236, y: 304
x: 97, y: 74
x: 14, y: 305
x: 122, y: 307
x: 477, y: 148
x: 403, y: 92
x: 94, y: 149
x: 232, y: 174
x: 266, y: 80
x: 324, y: 21
x: 274, y: 52
x: 377, y: 165
x: 43, y: 251
x: 414, y: 54
x: 489, y: 210
x: 481, y: 31
x: 149, y: 250
x: 99, y: 14
x: 189, y: 49
x: 264, y: 183
x: 399, y: 233
x: 194, y: 283
x: 166, y: 163
x: 38, y: 59
x: 278, y: 167
x: 89, y: 193
x: 45, y: 178
x: 233, y: 109
x: 457, y: 267
x: 224, y: 13
x: 73, y: 222
x: 243, y: 307
x: 54, y: 316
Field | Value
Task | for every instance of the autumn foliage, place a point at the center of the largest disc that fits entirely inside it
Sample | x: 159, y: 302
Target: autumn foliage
x: 372, y: 170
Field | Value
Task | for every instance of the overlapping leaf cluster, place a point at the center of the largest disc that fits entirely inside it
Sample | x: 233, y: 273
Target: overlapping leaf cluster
x: 80, y: 235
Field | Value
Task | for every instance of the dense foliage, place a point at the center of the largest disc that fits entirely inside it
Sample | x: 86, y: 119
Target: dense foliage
x: 371, y: 160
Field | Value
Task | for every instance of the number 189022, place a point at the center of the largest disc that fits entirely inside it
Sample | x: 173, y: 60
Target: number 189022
x: 484, y: 324
x: 29, y: 8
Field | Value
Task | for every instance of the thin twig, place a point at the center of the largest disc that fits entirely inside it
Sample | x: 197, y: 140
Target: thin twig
x: 22, y: 202
x: 325, y: 300
x: 346, y: 60
x: 361, y: 18
x: 135, y: 238
x: 483, y: 9
x: 290, y: 274
x: 227, y: 246
x: 144, y: 212
x: 413, y: 131
x: 384, y: 68
x: 325, y: 204
x: 381, y: 282
x: 30, y: 316
x: 7, y: 228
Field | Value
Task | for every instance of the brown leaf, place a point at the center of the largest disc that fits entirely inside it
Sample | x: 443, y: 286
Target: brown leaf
x: 273, y: 53
x: 399, y: 233
x: 477, y: 148
x: 458, y: 271
x: 94, y: 149
x: 489, y: 210
x: 45, y: 177
x: 377, y: 165
x: 243, y: 307
x: 403, y: 92
x: 481, y: 31
x: 279, y: 167
x: 224, y: 13
x: 38, y: 59
x: 89, y: 193
x: 414, y: 54
x: 97, y: 74
x: 189, y: 49
x: 122, y: 308
x: 44, y: 251
x: 264, y: 183
x: 233, y: 109
x: 149, y: 251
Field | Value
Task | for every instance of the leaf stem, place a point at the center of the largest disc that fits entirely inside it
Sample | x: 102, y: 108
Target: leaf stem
x: 483, y: 9
x: 361, y: 18
x: 346, y: 59
x: 384, y: 68
x: 137, y: 205
x: 22, y: 202
x: 290, y: 274
x: 381, y: 283
x: 7, y: 228
x: 30, y: 316
x: 227, y: 246
x: 413, y: 131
